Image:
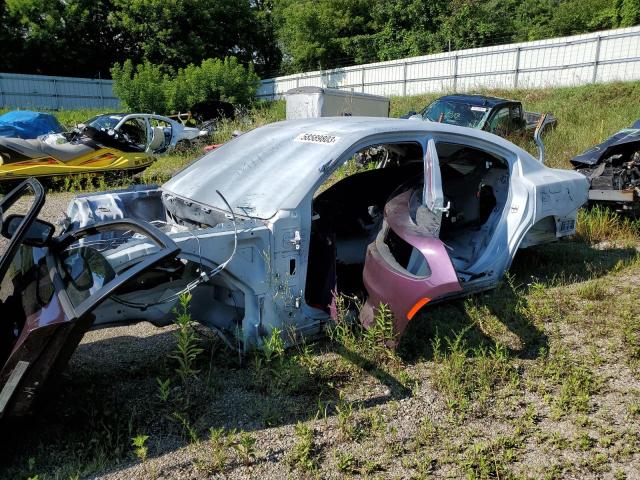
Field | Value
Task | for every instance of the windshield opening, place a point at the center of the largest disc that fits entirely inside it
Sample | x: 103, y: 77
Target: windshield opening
x: 131, y: 136
x: 104, y: 122
x: 456, y: 113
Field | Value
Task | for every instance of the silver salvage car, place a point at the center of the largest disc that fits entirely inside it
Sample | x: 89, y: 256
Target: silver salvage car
x: 264, y: 230
x: 271, y: 224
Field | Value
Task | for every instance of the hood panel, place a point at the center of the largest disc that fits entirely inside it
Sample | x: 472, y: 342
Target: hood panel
x: 259, y: 172
x: 603, y: 150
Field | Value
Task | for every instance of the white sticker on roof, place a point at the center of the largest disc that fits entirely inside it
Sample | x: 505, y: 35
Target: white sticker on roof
x: 316, y: 138
x: 479, y: 109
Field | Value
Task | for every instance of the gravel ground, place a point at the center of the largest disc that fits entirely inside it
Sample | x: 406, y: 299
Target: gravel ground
x: 53, y: 210
x: 405, y: 426
x: 55, y: 207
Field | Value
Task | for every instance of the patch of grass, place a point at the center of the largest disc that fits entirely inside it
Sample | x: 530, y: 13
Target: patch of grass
x: 427, y: 432
x: 346, y: 462
x: 303, y: 454
x: 373, y: 421
x: 217, y: 450
x: 630, y: 330
x: 347, y: 422
x: 190, y: 432
x: 597, y: 463
x: 466, y: 376
x: 139, y: 444
x: 565, y: 380
x: 371, y: 344
x: 485, y: 460
x: 187, y: 346
x: 600, y: 224
x: 584, y: 442
x: 285, y: 373
x: 246, y: 447
x: 593, y: 290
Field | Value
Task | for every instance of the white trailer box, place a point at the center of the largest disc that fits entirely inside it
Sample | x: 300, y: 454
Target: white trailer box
x: 313, y: 102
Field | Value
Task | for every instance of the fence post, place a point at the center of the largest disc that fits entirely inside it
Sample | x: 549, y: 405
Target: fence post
x: 1, y: 94
x: 297, y: 82
x: 597, y: 59
x: 455, y: 72
x: 55, y: 93
x: 100, y: 93
x: 362, y: 80
x: 404, y: 79
x: 515, y: 78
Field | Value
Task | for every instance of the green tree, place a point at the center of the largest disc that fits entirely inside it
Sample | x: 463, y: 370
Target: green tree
x: 267, y: 55
x: 581, y: 16
x: 175, y: 33
x: 56, y: 37
x: 144, y: 87
x: 213, y: 79
x: 9, y: 39
x: 85, y: 37
x: 406, y: 27
x: 141, y: 88
x: 627, y: 13
x: 532, y: 20
x: 475, y: 23
x: 319, y: 34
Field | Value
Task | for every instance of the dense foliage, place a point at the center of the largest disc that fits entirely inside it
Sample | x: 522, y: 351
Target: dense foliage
x: 318, y: 34
x: 85, y: 37
x: 146, y: 88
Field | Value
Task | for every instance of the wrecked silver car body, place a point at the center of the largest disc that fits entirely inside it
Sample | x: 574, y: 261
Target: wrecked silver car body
x: 262, y: 245
x: 264, y: 231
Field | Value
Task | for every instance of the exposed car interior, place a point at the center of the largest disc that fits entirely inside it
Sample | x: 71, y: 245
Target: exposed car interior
x: 347, y: 215
x: 475, y: 184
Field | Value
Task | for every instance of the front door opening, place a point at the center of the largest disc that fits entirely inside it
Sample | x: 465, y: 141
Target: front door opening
x: 347, y: 215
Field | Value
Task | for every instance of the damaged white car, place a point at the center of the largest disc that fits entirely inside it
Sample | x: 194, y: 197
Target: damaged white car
x: 264, y: 230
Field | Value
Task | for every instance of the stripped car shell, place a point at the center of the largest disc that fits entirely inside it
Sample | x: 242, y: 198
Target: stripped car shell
x: 252, y: 232
x: 269, y: 177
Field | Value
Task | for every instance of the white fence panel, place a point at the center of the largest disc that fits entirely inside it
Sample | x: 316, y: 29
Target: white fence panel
x: 577, y: 60
x: 596, y: 57
x: 55, y: 93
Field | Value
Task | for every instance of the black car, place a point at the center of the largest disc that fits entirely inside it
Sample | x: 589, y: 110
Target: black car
x: 492, y: 114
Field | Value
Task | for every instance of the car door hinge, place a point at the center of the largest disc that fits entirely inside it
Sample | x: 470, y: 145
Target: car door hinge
x: 295, y: 240
x: 444, y: 210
